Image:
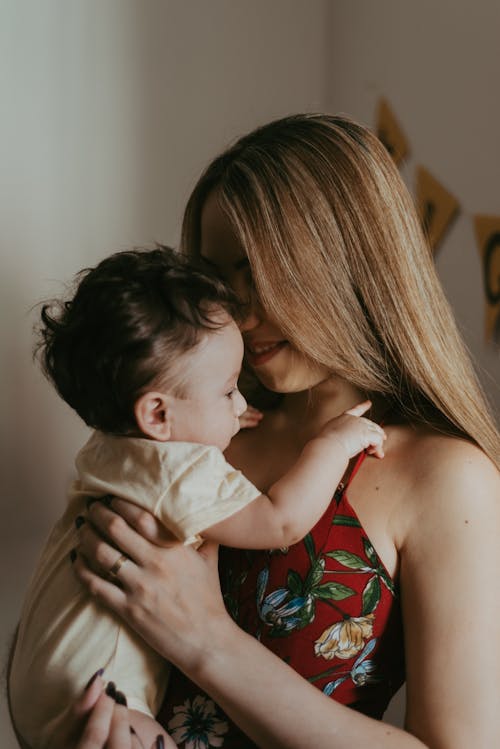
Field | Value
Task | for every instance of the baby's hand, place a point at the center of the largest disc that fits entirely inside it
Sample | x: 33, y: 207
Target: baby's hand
x: 356, y: 433
x: 250, y: 418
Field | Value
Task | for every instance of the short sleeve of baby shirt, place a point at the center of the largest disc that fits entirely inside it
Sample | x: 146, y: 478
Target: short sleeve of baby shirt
x: 202, y: 489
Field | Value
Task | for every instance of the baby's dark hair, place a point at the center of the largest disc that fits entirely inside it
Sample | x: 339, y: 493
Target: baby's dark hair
x: 130, y: 319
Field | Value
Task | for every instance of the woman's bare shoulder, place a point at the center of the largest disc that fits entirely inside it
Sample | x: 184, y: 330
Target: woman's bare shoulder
x: 440, y: 459
x: 445, y: 474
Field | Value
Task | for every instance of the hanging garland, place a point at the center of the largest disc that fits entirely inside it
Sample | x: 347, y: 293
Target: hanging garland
x: 438, y: 208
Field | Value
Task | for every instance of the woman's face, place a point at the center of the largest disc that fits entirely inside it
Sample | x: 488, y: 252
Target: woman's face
x: 278, y: 365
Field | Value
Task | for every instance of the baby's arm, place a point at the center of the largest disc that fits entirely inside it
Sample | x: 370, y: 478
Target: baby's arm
x: 298, y: 499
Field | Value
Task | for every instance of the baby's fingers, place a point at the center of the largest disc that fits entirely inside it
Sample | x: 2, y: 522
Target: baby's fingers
x: 377, y: 438
x: 360, y: 409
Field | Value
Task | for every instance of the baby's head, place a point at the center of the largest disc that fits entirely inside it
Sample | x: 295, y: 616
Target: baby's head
x: 148, y: 346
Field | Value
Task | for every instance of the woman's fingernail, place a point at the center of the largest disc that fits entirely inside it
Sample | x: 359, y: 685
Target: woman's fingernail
x: 93, y: 678
x: 72, y: 555
x: 107, y: 499
x: 120, y: 699
x: 160, y: 743
x: 79, y: 521
x: 111, y: 690
x: 132, y: 731
x: 90, y: 501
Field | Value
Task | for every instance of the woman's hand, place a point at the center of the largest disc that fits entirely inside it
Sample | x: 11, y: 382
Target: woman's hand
x: 169, y: 593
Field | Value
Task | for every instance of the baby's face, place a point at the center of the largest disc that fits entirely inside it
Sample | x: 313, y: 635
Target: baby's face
x: 209, y: 413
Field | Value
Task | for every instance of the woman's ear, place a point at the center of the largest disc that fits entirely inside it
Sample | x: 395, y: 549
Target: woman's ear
x: 152, y: 414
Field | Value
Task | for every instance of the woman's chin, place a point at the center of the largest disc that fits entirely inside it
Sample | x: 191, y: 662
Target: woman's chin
x: 290, y: 372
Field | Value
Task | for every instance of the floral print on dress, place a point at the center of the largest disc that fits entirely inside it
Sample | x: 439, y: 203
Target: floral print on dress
x: 344, y: 639
x: 294, y: 606
x: 326, y: 606
x: 363, y: 671
x: 197, y: 724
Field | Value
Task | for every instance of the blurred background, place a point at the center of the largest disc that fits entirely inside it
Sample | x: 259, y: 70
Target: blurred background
x: 110, y: 109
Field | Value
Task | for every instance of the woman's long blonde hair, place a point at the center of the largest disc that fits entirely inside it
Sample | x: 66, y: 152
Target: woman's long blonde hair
x: 341, y: 264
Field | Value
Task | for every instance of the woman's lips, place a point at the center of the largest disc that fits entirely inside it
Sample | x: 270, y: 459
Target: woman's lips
x: 260, y: 353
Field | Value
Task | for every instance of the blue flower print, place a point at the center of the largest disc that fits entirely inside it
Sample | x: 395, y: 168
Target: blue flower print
x: 198, y: 724
x: 362, y: 672
x: 278, y: 609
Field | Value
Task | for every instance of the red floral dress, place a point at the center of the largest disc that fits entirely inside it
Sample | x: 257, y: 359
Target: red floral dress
x: 327, y: 606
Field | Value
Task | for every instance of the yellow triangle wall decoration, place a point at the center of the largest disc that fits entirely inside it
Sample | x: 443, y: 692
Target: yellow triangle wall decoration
x: 436, y: 206
x: 391, y: 133
x: 488, y: 240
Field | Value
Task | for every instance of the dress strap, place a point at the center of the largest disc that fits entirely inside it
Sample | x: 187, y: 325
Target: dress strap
x: 351, y: 472
x: 357, y: 465
x: 348, y: 476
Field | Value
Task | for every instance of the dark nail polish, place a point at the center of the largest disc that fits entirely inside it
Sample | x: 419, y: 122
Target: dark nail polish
x: 79, y: 521
x: 90, y: 501
x: 111, y: 690
x: 160, y: 743
x: 120, y: 699
x: 72, y: 555
x: 107, y: 499
x: 132, y: 731
x: 93, y: 678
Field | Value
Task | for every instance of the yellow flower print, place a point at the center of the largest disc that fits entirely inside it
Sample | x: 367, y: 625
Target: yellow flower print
x: 345, y: 639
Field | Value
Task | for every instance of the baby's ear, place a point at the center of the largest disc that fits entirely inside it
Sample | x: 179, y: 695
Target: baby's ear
x: 152, y: 413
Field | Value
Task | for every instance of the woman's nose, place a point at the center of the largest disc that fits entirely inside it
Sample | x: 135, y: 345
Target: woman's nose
x: 250, y: 318
x: 251, y: 313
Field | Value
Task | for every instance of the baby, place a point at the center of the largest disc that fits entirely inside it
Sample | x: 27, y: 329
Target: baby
x: 148, y: 353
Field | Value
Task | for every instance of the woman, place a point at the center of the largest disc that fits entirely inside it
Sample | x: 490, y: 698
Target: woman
x: 308, y: 219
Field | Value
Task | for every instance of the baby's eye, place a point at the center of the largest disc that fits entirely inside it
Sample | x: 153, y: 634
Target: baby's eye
x: 231, y: 392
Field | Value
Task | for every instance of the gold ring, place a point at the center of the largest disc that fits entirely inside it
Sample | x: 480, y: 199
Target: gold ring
x: 113, y: 572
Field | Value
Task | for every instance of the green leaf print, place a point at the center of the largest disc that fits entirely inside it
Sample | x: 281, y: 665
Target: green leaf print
x: 371, y: 595
x: 387, y: 580
x: 370, y: 552
x: 294, y: 583
x: 347, y: 559
x: 309, y: 544
x: 315, y: 574
x: 346, y: 520
x: 332, y: 591
x: 307, y: 612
